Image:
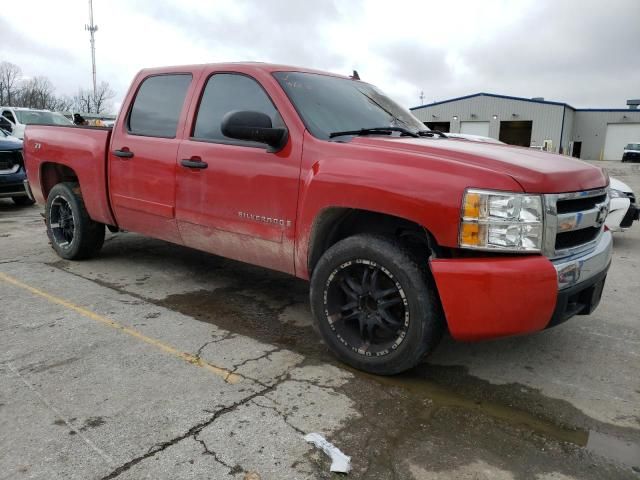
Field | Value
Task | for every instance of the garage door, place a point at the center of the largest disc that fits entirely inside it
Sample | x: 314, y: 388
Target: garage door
x: 618, y: 135
x: 475, y: 128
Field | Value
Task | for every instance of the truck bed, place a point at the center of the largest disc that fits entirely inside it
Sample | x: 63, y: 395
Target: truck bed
x: 79, y: 148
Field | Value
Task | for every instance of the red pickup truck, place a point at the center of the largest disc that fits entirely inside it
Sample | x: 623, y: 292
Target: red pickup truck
x: 401, y: 231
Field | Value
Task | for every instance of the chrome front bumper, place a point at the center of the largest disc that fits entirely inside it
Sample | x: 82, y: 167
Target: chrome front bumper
x: 585, y: 265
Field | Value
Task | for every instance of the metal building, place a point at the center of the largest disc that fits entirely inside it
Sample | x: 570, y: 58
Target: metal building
x: 587, y: 133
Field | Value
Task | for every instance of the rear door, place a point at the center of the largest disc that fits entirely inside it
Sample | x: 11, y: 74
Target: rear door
x: 242, y: 204
x: 142, y: 160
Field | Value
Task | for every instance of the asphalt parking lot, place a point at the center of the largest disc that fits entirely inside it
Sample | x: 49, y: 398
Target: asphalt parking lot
x: 156, y: 361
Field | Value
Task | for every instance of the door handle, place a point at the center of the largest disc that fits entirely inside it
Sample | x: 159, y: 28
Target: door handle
x: 194, y: 162
x: 123, y: 153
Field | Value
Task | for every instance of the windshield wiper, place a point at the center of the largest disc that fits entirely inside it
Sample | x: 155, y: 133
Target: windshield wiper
x: 370, y: 131
x: 431, y: 133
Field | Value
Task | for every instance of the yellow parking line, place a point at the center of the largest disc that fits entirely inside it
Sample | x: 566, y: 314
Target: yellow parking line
x: 226, y: 375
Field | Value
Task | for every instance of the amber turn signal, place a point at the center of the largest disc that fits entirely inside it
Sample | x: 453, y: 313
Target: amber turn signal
x: 471, y: 205
x: 470, y: 234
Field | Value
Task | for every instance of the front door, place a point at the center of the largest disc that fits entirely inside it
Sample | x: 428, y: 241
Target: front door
x: 142, y: 160
x: 233, y: 198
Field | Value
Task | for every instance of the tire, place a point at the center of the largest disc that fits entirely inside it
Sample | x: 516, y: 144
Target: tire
x: 363, y: 336
x: 73, y: 234
x: 22, y: 201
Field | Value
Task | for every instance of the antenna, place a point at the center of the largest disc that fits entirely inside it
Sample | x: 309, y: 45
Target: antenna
x: 421, y: 98
x: 92, y: 29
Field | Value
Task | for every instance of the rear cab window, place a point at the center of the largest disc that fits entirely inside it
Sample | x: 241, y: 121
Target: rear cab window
x: 158, y: 104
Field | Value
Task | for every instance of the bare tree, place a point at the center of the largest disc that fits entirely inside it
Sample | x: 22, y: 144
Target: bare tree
x: 85, y: 101
x: 10, y: 75
x: 63, y: 103
x: 37, y: 92
x: 102, y: 98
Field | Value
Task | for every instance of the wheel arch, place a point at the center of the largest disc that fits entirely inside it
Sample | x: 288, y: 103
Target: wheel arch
x: 333, y: 224
x: 52, y: 173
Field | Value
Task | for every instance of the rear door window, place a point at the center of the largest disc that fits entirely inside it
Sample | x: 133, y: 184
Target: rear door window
x: 158, y: 104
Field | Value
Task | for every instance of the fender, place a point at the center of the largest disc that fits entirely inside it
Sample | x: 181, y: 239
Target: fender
x: 424, y: 189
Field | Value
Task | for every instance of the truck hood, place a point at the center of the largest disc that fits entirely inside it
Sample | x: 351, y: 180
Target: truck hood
x: 535, y: 171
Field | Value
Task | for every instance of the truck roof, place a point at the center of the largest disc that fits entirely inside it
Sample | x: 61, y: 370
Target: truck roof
x: 244, y: 66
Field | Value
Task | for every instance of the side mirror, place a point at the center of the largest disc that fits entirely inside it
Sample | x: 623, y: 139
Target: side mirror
x: 255, y: 127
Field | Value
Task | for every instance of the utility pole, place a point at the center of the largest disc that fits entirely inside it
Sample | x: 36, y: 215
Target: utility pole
x: 92, y: 29
x: 421, y: 98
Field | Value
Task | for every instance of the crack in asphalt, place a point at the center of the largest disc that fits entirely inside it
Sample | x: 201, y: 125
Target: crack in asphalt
x: 255, y: 359
x: 285, y: 417
x: 194, y: 431
x: 207, y: 451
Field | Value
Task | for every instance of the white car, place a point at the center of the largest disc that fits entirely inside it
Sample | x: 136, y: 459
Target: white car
x: 15, y: 119
x: 623, y: 209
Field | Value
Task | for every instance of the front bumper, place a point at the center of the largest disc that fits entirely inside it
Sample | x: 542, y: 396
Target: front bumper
x: 493, y: 297
x: 581, y: 267
x: 12, y: 184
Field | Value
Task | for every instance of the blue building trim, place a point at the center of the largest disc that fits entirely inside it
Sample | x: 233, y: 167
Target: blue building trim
x: 522, y: 99
x: 494, y: 95
x: 628, y: 110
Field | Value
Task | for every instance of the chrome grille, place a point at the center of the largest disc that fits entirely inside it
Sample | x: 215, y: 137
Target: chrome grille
x: 574, y: 221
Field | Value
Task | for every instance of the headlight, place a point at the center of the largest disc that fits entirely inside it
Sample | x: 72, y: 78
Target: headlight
x: 613, y: 193
x: 502, y: 221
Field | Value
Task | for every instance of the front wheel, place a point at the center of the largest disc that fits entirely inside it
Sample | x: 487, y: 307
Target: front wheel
x: 73, y: 234
x: 375, y: 305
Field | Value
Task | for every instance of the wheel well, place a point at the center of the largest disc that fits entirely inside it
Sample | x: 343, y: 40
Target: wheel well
x: 53, y: 173
x: 335, y: 224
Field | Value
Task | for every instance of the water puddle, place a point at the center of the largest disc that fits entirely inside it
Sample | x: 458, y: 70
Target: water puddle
x: 607, y: 446
x: 622, y: 452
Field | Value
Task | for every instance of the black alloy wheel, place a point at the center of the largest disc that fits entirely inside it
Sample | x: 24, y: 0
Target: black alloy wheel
x: 366, y: 307
x: 72, y: 232
x: 61, y: 222
x: 375, y: 304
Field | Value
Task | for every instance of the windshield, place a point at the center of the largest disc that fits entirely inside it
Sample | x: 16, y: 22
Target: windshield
x: 332, y: 104
x: 633, y: 146
x: 34, y: 117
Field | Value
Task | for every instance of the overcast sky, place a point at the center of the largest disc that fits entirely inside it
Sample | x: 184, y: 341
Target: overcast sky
x: 583, y: 52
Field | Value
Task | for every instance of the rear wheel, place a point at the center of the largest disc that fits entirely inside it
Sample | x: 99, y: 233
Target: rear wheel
x: 73, y: 234
x: 375, y: 305
x: 22, y: 201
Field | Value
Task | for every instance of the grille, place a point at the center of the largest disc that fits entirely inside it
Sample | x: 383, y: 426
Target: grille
x: 10, y: 158
x: 576, y: 237
x: 579, y: 204
x: 573, y: 221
